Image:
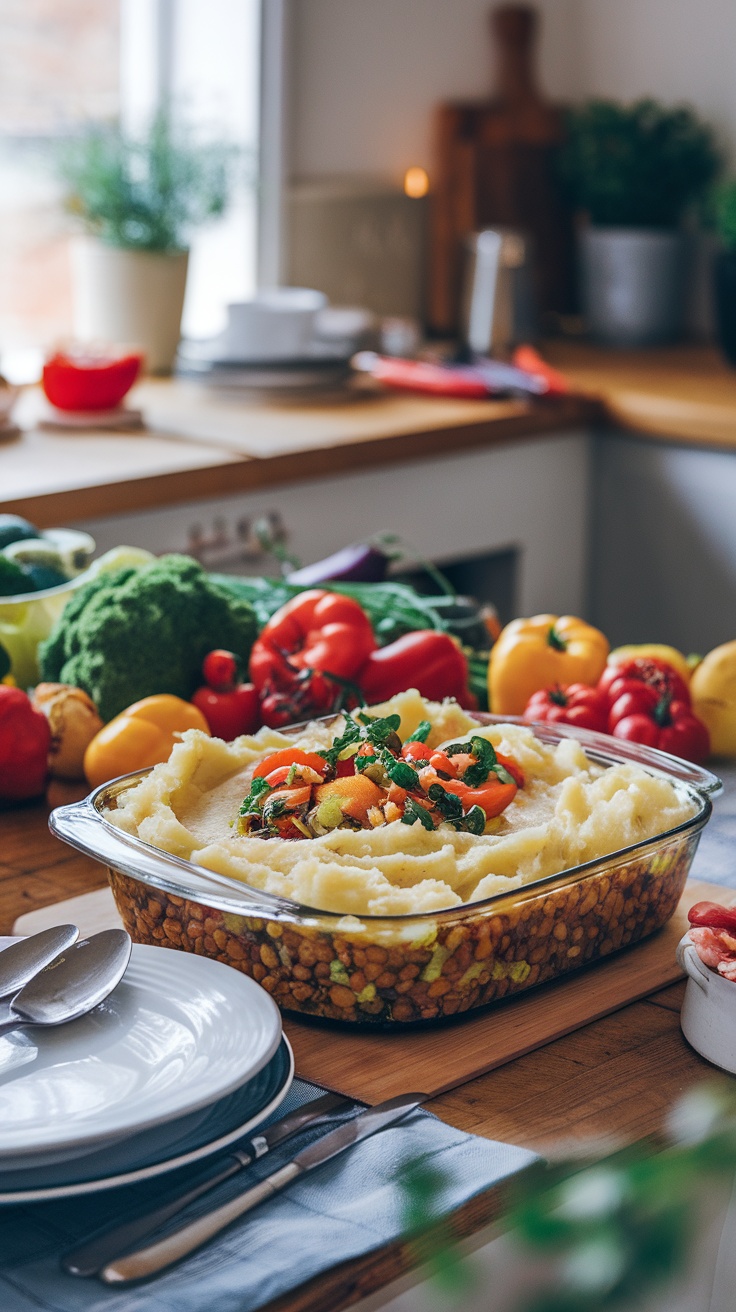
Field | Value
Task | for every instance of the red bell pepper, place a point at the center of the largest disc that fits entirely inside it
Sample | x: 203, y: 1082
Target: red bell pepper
x: 25, y: 739
x: 572, y: 703
x: 307, y: 653
x: 229, y: 707
x: 427, y: 660
x: 89, y: 382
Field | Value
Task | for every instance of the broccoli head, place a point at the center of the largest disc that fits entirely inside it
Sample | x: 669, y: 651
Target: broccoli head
x: 136, y: 632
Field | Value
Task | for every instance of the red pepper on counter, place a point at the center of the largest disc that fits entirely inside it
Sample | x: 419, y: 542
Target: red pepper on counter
x: 306, y: 654
x: 229, y: 707
x: 89, y: 382
x: 572, y: 703
x: 25, y: 739
x: 427, y: 660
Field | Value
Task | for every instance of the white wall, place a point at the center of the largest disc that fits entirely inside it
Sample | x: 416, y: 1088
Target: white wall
x: 367, y: 72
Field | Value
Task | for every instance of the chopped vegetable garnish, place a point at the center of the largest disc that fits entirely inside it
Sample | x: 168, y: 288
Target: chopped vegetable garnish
x: 369, y: 778
x: 420, y: 734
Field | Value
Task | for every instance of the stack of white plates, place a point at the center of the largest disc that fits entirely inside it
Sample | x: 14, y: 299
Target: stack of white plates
x: 182, y: 1060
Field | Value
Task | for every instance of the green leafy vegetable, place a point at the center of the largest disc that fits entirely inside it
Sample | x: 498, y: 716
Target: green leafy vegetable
x: 474, y: 821
x: 485, y: 762
x: 413, y: 812
x: 448, y: 805
x: 399, y: 772
x: 421, y: 733
x: 253, y: 803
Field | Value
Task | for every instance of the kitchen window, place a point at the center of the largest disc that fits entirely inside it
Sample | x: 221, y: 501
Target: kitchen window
x: 64, y: 65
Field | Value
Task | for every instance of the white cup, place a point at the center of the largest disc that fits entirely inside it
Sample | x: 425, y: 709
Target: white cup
x: 275, y: 325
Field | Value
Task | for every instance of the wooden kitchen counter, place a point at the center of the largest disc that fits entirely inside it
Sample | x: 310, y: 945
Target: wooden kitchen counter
x: 203, y: 442
x: 685, y: 393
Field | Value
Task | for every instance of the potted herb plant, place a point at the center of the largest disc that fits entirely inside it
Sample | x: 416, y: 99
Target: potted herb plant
x: 633, y: 172
x: 724, y: 269
x: 139, y: 198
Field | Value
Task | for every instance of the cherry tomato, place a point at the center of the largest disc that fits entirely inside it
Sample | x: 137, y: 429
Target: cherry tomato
x: 572, y: 703
x: 220, y: 669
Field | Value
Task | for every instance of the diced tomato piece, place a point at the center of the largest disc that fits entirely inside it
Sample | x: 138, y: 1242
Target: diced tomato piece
x: 357, y: 794
x: 416, y: 752
x: 288, y: 756
x: 441, y: 761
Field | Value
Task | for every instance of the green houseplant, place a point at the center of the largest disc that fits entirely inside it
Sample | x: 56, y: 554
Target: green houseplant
x: 633, y: 171
x: 724, y: 269
x: 139, y: 199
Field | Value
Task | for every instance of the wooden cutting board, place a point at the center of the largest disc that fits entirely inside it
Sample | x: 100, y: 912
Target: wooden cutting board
x: 381, y: 1064
x: 376, y: 1066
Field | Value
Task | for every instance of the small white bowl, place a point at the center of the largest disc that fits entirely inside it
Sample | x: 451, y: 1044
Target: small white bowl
x: 708, y: 1016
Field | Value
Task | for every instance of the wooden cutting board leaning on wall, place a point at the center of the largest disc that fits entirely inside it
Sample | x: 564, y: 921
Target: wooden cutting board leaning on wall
x: 496, y: 166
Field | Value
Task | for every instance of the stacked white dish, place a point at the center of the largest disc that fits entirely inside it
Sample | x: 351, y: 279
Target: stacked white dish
x: 184, y: 1058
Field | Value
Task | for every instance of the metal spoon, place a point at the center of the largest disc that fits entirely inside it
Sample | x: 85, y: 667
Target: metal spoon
x: 72, y: 984
x: 22, y: 960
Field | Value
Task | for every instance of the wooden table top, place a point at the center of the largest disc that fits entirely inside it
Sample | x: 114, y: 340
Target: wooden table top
x: 610, y: 1083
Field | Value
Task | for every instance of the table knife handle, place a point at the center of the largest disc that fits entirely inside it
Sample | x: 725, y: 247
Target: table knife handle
x: 87, y: 1259
x: 155, y: 1257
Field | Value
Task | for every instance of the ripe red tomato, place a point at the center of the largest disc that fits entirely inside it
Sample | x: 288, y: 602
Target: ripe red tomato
x: 229, y: 714
x: 89, y: 382
x: 572, y: 703
x: 220, y: 669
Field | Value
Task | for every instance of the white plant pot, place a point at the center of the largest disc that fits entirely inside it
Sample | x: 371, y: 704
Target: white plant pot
x: 129, y: 298
x: 633, y: 284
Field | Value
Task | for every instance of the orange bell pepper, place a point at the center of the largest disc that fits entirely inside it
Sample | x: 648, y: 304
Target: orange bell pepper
x: 140, y: 736
x: 539, y: 652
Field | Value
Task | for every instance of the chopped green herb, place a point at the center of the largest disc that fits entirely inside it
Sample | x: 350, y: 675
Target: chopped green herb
x: 421, y: 733
x: 485, y: 762
x: 473, y: 822
x: 254, y: 801
x: 399, y: 772
x: 291, y: 776
x: 352, y: 734
x: 274, y: 808
x: 413, y: 812
x: 448, y: 805
x: 502, y: 774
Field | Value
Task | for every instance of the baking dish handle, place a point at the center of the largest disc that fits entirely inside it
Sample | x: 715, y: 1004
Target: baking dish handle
x: 79, y: 824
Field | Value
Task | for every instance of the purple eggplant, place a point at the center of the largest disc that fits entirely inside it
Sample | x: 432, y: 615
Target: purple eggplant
x: 359, y: 563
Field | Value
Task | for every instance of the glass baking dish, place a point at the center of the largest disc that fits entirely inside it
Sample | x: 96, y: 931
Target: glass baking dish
x: 394, y: 970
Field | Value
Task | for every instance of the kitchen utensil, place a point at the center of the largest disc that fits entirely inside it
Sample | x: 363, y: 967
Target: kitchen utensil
x: 175, y: 1035
x: 73, y: 982
x: 22, y: 960
x: 496, y: 166
x: 579, y: 908
x: 88, y: 1258
x: 147, y: 1261
x: 162, y: 1149
x: 498, y: 298
x: 708, y: 1016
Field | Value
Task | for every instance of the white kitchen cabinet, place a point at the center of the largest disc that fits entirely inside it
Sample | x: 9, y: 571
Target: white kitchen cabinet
x: 530, y: 495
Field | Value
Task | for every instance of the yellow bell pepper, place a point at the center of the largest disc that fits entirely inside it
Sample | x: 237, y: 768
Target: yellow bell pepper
x: 140, y: 736
x: 713, y: 692
x: 536, y: 653
x: 656, y: 651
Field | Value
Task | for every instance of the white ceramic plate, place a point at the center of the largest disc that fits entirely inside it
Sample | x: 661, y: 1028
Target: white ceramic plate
x: 179, y: 1032
x: 139, y: 1158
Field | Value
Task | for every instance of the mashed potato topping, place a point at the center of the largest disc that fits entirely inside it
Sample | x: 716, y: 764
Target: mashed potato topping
x: 569, y: 811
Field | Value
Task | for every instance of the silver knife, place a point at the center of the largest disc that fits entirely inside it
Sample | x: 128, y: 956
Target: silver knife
x: 88, y: 1258
x: 155, y: 1257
